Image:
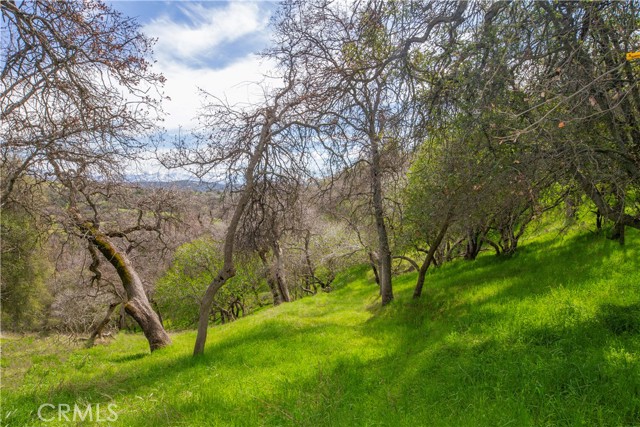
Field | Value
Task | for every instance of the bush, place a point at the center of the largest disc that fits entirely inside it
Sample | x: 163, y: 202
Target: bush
x: 195, y: 263
x: 25, y: 268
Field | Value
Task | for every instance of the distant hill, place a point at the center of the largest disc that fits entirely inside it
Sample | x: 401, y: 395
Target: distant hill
x: 183, y: 184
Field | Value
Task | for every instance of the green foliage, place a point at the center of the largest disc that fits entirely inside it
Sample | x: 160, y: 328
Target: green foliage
x: 526, y: 341
x: 195, y: 265
x: 25, y: 267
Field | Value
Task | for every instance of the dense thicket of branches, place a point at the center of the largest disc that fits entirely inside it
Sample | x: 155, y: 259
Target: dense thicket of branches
x: 77, y: 95
x: 409, y: 131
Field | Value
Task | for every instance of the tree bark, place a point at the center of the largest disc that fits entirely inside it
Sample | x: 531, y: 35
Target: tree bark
x: 373, y: 260
x: 429, y: 259
x: 475, y: 238
x: 384, y: 252
x: 617, y: 232
x: 228, y: 268
x: 273, y: 286
x: 612, y: 213
x: 275, y: 293
x: 137, y: 304
x: 105, y: 321
x: 279, y: 273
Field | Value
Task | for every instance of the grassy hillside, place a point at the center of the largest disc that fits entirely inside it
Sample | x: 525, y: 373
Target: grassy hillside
x: 549, y: 337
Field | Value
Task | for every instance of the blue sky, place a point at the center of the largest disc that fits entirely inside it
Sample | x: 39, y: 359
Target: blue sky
x: 211, y: 45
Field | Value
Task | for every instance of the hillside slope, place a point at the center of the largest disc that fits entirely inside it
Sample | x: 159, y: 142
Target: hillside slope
x: 549, y: 337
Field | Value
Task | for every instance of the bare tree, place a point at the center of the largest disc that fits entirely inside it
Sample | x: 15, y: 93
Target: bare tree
x: 115, y: 221
x: 246, y: 145
x: 76, y: 85
x: 77, y: 95
x: 356, y: 52
x: 271, y: 215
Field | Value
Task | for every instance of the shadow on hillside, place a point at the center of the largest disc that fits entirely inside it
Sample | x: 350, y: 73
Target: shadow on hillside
x: 556, y: 375
x: 436, y: 363
x: 583, y: 256
x: 247, y: 353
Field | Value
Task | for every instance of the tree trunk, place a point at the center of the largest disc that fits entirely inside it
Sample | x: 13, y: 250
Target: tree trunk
x: 137, y: 304
x: 508, y: 241
x: 228, y: 268
x: 310, y: 278
x: 105, y: 321
x: 279, y: 273
x: 612, y: 213
x: 429, y: 259
x: 373, y: 260
x: 384, y: 253
x: 475, y: 238
x: 273, y: 285
x: 617, y: 233
x: 122, y: 318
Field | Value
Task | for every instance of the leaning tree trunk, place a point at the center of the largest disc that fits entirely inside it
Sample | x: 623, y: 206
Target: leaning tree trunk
x: 228, y: 268
x: 373, y: 261
x: 105, y: 321
x: 417, y: 292
x: 386, y: 290
x: 612, y: 213
x: 137, y: 304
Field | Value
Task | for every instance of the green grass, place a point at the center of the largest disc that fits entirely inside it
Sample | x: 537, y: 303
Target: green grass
x: 548, y: 337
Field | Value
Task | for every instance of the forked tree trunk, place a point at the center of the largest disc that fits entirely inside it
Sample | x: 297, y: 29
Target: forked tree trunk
x: 475, y: 239
x: 137, y: 304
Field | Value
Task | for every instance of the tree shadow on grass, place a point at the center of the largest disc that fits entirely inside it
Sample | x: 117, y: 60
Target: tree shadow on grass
x: 556, y: 375
x: 580, y: 257
x: 437, y: 365
x: 129, y: 357
x: 244, y: 355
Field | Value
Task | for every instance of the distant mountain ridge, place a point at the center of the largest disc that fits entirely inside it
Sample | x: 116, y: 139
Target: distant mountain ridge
x: 182, y: 184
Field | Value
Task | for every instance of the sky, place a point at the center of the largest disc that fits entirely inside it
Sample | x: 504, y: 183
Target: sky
x: 212, y: 45
x: 209, y: 45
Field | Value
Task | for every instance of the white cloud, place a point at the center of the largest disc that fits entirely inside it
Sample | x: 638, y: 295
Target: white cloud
x: 237, y: 83
x: 208, y: 29
x: 181, y: 45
